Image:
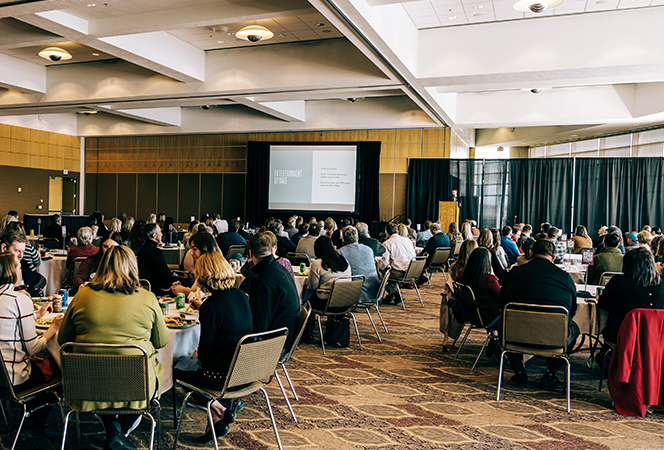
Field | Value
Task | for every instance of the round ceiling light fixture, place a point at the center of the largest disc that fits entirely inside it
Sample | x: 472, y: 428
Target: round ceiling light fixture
x: 55, y: 54
x: 537, y: 6
x: 254, y: 33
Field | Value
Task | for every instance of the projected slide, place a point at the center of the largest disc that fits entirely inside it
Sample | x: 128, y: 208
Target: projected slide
x: 311, y: 178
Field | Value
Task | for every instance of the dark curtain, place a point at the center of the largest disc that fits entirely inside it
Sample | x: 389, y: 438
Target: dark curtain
x: 463, y: 172
x: 428, y: 183
x: 258, y: 167
x: 368, y: 205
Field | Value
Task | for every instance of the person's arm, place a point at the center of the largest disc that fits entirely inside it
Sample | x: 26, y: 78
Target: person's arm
x: 313, y: 281
x: 160, y: 335
x: 34, y: 343
x: 83, y: 273
x: 210, y: 325
x: 611, y: 296
x: 493, y: 287
x: 67, y: 331
x: 497, y: 266
x: 32, y: 255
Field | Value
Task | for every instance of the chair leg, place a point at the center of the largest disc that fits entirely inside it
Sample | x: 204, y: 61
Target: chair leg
x: 428, y: 277
x: 64, y: 430
x: 500, y: 374
x: 403, y: 305
x: 2, y: 408
x: 357, y: 332
x: 181, y: 417
x: 604, y: 361
x: 486, y: 341
x: 20, y: 426
x: 381, y: 317
x: 211, y: 422
x: 463, y: 341
x: 290, y: 383
x: 158, y: 408
x: 418, y: 294
x: 283, y: 391
x: 569, y: 386
x: 274, y: 423
x: 175, y: 405
x: 320, y: 330
x: 372, y: 324
x: 78, y: 430
x: 153, y: 425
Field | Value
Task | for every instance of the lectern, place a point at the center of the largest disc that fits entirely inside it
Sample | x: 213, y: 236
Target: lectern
x: 448, y: 212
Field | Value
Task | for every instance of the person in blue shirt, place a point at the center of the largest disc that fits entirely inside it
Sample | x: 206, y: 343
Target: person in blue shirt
x: 511, y: 250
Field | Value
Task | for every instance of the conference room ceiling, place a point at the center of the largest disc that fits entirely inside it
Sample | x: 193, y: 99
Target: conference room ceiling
x: 493, y: 74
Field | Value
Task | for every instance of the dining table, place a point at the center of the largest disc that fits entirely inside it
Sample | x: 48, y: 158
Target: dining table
x: 53, y: 268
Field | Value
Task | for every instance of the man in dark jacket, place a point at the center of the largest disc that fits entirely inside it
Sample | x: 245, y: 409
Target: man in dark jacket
x: 365, y: 239
x: 152, y: 260
x: 272, y: 293
x: 284, y: 245
x: 231, y: 237
x: 438, y: 239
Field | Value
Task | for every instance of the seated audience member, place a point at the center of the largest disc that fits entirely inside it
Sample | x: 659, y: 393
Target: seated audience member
x: 6, y: 221
x: 116, y: 225
x: 90, y: 266
x: 478, y: 275
x: 631, y: 241
x: 246, y: 271
x: 500, y: 251
x: 14, y: 242
x: 467, y: 231
x: 84, y: 248
x: 403, y: 230
x: 302, y: 231
x: 54, y: 230
x: 474, y: 229
x: 362, y: 262
x: 616, y: 230
x: 464, y: 253
x: 640, y: 286
x: 526, y: 246
x: 329, y: 227
x: 424, y: 235
x: 98, y: 219
x: 561, y: 247
x: 656, y: 231
x: 113, y: 309
x: 284, y: 245
x: 231, y: 237
x: 644, y: 238
x: 486, y: 240
x: 136, y: 236
x: 454, y: 234
x: 654, y: 244
x: 169, y: 233
x: 337, y: 236
x: 526, y: 230
x: 272, y: 292
x: 152, y: 218
x: 127, y: 225
x: 225, y: 318
x: 201, y: 243
x: 291, y: 230
x: 30, y: 255
x: 306, y: 244
x: 399, y: 252
x: 581, y: 239
x: 412, y: 234
x: 152, y: 259
x: 365, y: 239
x: 544, y: 229
x: 191, y: 229
x: 608, y: 260
x: 438, y: 239
x: 506, y: 242
x: 540, y: 282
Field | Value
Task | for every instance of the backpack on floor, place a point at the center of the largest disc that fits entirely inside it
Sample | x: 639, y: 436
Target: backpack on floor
x: 337, y: 332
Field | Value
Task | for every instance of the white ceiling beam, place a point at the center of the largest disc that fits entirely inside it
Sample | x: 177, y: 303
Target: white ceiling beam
x: 165, y: 117
x: 293, y: 111
x: 22, y: 76
x: 160, y: 52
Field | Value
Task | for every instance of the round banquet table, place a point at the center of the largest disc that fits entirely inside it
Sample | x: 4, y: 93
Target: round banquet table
x: 181, y: 344
x: 53, y: 270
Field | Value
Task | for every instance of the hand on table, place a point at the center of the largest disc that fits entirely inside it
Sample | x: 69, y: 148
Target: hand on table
x: 177, y: 288
x: 56, y: 322
x: 45, y: 308
x: 195, y: 303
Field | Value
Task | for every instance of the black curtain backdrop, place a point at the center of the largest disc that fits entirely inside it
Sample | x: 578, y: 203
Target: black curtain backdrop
x: 258, y: 167
x: 427, y: 184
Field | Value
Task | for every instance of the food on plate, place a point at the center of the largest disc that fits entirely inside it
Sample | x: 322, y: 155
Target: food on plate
x: 165, y: 299
x: 178, y: 321
x: 189, y: 310
x: 44, y: 322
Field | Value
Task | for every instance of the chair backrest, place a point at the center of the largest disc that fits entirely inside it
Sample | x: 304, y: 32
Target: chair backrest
x: 235, y: 250
x: 440, y: 257
x: 104, y: 373
x: 77, y: 264
x: 51, y: 243
x: 345, y: 292
x: 6, y: 388
x: 465, y: 294
x: 305, y: 312
x: 537, y: 329
x: 297, y: 258
x: 606, y: 276
x: 256, y: 357
x: 415, y: 269
x: 456, y: 248
x: 145, y: 284
x: 383, y: 283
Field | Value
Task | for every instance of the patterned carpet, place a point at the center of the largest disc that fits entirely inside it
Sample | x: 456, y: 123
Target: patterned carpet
x: 406, y: 393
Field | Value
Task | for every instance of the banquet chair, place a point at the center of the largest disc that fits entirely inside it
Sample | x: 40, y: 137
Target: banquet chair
x: 235, y: 250
x: 456, y: 249
x: 145, y: 284
x: 10, y: 395
x: 305, y: 312
x: 439, y: 260
x: 344, y: 295
x: 51, y: 243
x: 297, y: 258
x: 113, y: 373
x: 539, y: 330
x: 74, y: 268
x: 413, y: 273
x: 467, y: 297
x: 605, y: 360
x: 606, y: 276
x: 374, y: 303
x: 252, y: 367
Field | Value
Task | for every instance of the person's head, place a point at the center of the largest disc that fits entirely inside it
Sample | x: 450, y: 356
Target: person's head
x: 94, y: 229
x: 161, y: 218
x: 544, y: 228
x: 467, y: 231
x: 614, y: 229
x: 330, y: 258
x: 127, y: 224
x: 116, y: 225
x: 303, y: 228
x: 314, y: 229
x: 6, y: 221
x: 152, y: 218
x: 495, y: 232
x: 15, y: 226
x: 202, y: 243
x: 506, y: 231
x: 543, y: 248
x: 644, y: 238
x: 477, y: 267
x: 392, y: 228
x: 362, y: 229
x: 647, y: 228
x: 13, y: 213
x: 435, y: 228
x: 486, y: 239
x: 262, y: 244
x: 350, y: 234
x: 466, y: 249
x: 632, y: 238
x: 580, y: 230
x: 56, y: 219
x: 14, y: 243
x: 453, y: 228
x: 268, y: 223
x: 99, y: 218
x: 602, y: 230
x: 117, y: 272
x: 234, y: 226
x: 612, y: 240
x: 192, y: 226
x: 403, y: 231
x: 639, y: 265
x: 84, y: 235
x: 527, y: 246
x: 213, y: 273
x: 654, y: 244
x: 110, y: 239
x: 552, y: 233
x: 10, y: 269
x: 526, y: 229
x: 277, y: 228
x: 152, y: 232
x: 656, y: 231
x: 330, y: 225
x: 408, y: 222
x: 291, y: 221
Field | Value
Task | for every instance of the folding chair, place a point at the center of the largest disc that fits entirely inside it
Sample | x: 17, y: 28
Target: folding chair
x: 253, y: 366
x: 114, y: 373
x: 606, y: 276
x: 235, y: 250
x: 145, y: 284
x: 297, y: 258
x: 374, y: 303
x: 439, y: 260
x: 413, y: 273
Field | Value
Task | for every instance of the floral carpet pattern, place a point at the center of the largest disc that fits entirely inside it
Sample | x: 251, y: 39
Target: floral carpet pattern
x: 406, y: 392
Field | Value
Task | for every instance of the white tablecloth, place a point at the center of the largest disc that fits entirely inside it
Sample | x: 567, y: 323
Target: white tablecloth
x: 181, y: 344
x: 590, y: 319
x: 572, y: 257
x: 578, y: 273
x: 52, y: 270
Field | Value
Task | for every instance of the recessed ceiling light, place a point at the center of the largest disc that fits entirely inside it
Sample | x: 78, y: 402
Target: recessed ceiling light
x: 95, y: 54
x: 92, y: 4
x: 537, y: 6
x: 55, y: 54
x: 451, y: 17
x: 220, y: 42
x: 319, y: 24
x: 478, y: 7
x: 230, y: 33
x: 254, y: 33
x: 281, y: 35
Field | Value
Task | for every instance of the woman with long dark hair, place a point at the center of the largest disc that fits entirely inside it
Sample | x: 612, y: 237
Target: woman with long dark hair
x: 478, y: 275
x: 464, y: 253
x: 486, y: 241
x: 581, y: 239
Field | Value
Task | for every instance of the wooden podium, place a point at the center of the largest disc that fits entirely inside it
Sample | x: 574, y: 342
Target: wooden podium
x: 448, y: 212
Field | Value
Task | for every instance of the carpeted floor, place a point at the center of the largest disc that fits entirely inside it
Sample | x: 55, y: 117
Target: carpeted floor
x: 405, y: 393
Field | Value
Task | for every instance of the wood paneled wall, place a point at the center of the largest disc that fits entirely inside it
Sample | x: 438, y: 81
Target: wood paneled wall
x: 185, y: 176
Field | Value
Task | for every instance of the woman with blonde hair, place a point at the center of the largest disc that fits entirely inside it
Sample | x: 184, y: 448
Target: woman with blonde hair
x: 467, y: 231
x: 453, y: 232
x: 225, y: 318
x: 464, y: 253
x: 581, y: 239
x: 486, y: 240
x: 116, y: 225
x: 114, y: 309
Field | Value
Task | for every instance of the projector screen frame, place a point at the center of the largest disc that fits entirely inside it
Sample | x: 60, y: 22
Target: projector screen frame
x: 311, y: 212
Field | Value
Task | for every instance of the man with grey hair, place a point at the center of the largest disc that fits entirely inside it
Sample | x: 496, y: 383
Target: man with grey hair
x: 362, y: 262
x: 365, y: 239
x: 438, y: 239
x: 291, y: 230
x: 284, y: 244
x: 84, y: 248
x: 153, y: 262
